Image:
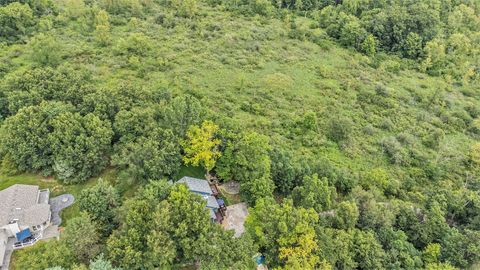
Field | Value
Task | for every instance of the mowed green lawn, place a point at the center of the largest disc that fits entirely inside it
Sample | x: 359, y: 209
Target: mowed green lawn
x: 110, y: 175
x: 56, y: 188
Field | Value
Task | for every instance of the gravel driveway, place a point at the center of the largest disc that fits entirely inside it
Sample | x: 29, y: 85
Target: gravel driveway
x: 57, y: 204
x: 235, y: 218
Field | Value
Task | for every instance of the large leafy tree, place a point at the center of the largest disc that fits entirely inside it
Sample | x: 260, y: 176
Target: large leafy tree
x: 286, y: 234
x: 159, y: 231
x: 102, y: 28
x: 434, y: 227
x: 16, y: 20
x: 25, y: 137
x: 181, y: 113
x: 46, y: 51
x: 461, y: 248
x: 346, y: 215
x: 368, y: 251
x: 245, y: 158
x: 314, y: 193
x: 257, y: 189
x: 80, y: 145
x: 50, y: 138
x: 153, y: 156
x: 82, y: 238
x: 202, y: 145
x: 100, y: 202
x: 78, y: 244
x: 399, y: 253
x: 126, y: 246
x: 45, y: 254
x: 32, y: 86
x: 337, y: 247
x: 283, y: 170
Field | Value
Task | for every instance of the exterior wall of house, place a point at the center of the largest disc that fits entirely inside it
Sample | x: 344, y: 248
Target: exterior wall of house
x: 11, y: 229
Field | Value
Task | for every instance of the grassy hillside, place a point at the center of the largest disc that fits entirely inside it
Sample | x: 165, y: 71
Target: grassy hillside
x: 386, y: 136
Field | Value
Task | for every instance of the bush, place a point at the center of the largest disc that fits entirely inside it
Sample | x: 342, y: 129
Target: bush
x: 16, y: 21
x: 340, y: 129
x: 46, y: 51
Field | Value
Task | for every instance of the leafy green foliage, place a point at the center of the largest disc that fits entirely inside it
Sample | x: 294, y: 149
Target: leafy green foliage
x: 158, y: 231
x: 245, y: 158
x: 149, y: 157
x: 88, y: 84
x: 45, y: 50
x: 100, y: 202
x: 201, y: 145
x: 78, y: 244
x: 285, y: 233
x: 16, y: 20
x: 51, y: 139
x: 81, y: 237
x: 346, y: 215
x: 314, y: 193
x: 44, y: 255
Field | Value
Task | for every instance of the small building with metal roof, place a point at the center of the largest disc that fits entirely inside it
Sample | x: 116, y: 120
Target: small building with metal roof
x: 203, y: 188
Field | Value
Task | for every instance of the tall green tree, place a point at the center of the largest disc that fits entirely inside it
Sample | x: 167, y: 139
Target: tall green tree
x: 285, y: 233
x: 102, y: 28
x: 16, y: 20
x: 46, y: 50
x: 346, y: 215
x: 80, y: 145
x: 245, y: 158
x: 24, y: 137
x: 368, y: 251
x: 314, y: 193
x: 100, y: 202
x: 202, y: 145
x: 181, y: 113
x: 82, y: 238
x: 159, y: 232
x: 49, y: 138
x: 153, y: 156
x: 45, y: 254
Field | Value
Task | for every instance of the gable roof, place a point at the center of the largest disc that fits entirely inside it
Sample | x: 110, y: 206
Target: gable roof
x: 212, y: 214
x: 196, y: 185
x: 20, y: 202
x: 211, y: 202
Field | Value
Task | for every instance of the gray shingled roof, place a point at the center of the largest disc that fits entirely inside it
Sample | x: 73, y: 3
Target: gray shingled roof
x: 196, y: 185
x: 212, y: 214
x: 36, y: 214
x: 20, y: 202
x: 211, y: 202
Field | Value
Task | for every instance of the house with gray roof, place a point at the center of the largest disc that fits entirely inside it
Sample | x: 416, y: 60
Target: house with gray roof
x: 24, y: 215
x: 209, y: 193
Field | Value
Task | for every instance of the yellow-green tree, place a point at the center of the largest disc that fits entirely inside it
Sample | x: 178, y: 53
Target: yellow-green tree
x: 102, y: 28
x: 302, y: 255
x: 475, y: 154
x: 201, y: 145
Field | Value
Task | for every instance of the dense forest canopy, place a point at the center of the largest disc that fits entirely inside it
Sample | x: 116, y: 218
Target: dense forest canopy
x: 352, y: 127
